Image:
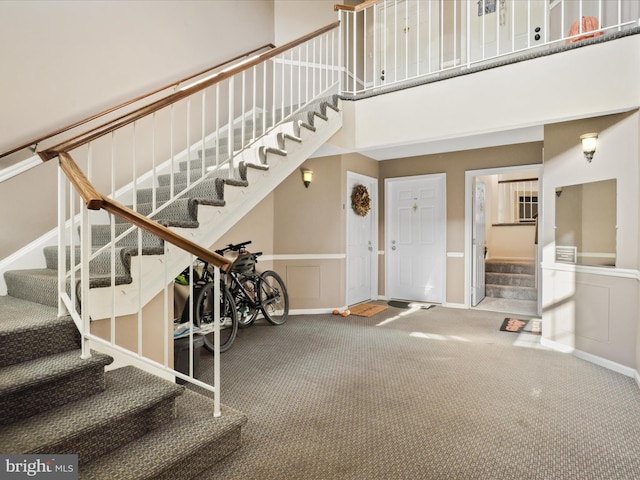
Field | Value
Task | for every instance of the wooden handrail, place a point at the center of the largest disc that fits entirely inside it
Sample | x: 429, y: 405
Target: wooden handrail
x: 38, y: 140
x: 356, y: 8
x: 129, y: 118
x: 165, y: 233
x: 95, y: 201
x: 91, y: 197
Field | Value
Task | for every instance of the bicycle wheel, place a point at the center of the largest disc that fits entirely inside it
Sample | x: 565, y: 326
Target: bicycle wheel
x: 203, y: 316
x: 274, y: 301
x: 246, y: 307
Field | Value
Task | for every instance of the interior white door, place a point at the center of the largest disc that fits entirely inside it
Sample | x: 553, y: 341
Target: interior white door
x: 407, y: 40
x: 415, y: 240
x: 362, y: 246
x: 505, y: 26
x: 478, y: 240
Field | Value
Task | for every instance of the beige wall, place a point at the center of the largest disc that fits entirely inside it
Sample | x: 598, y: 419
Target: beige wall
x: 152, y: 330
x: 293, y: 19
x: 594, y: 309
x: 505, y: 241
x: 454, y: 165
x: 256, y: 226
x: 310, y: 230
x: 303, y: 229
x: 64, y: 60
x: 512, y: 242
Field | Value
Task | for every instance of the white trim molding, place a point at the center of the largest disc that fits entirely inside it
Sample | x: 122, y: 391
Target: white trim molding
x: 603, y: 362
x: 304, y: 256
x: 592, y: 270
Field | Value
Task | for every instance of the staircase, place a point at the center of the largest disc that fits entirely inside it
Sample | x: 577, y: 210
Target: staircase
x: 513, y: 280
x: 213, y: 200
x: 126, y: 423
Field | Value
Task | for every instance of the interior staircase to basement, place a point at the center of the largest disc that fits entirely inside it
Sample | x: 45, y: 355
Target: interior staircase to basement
x: 509, y: 279
x: 126, y: 423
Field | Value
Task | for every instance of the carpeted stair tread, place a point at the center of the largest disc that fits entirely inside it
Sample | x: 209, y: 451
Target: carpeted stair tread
x: 129, y: 392
x: 41, y: 285
x: 35, y: 386
x: 204, y: 189
x: 283, y: 137
x: 514, y: 279
x: 101, y: 235
x: 25, y: 324
x: 511, y: 292
x: 100, y: 264
x: 21, y: 315
x: 33, y: 285
x: 47, y: 369
x: 180, y: 449
x: 184, y: 177
x: 509, y: 266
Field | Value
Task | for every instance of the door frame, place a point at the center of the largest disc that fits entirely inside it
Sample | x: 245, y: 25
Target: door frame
x: 468, y: 224
x: 373, y: 193
x: 387, y: 241
x: 477, y: 276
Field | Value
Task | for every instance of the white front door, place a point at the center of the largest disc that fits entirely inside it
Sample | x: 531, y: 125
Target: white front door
x: 415, y: 238
x: 478, y: 240
x: 362, y: 248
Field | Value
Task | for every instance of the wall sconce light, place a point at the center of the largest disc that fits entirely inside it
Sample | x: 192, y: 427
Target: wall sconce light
x: 589, y: 143
x: 307, y: 177
x: 558, y: 192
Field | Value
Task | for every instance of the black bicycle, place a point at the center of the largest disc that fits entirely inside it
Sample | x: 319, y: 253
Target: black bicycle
x: 254, y: 292
x: 203, y: 307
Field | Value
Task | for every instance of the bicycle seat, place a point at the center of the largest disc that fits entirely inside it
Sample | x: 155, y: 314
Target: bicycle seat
x: 243, y: 263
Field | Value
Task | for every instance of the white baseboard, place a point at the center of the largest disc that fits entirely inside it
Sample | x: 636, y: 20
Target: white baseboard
x: 603, y: 362
x: 455, y: 305
x: 315, y: 311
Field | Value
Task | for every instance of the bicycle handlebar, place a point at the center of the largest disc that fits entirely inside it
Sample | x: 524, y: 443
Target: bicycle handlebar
x: 231, y: 247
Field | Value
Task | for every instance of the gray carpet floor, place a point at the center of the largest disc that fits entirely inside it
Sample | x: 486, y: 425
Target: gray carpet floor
x: 429, y: 394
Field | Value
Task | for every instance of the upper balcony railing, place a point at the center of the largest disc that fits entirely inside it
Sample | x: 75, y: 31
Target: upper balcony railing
x: 390, y: 42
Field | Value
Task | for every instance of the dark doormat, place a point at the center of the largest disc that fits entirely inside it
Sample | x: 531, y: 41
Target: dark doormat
x: 518, y: 325
x: 403, y: 304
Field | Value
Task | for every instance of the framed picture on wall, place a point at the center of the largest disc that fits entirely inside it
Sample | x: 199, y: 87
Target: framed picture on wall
x: 486, y: 6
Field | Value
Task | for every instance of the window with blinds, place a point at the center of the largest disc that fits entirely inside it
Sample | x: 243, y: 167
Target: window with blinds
x: 517, y: 201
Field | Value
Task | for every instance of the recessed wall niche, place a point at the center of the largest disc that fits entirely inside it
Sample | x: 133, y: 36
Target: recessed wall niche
x: 586, y: 224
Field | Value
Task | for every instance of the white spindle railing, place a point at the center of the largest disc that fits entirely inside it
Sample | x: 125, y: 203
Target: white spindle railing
x: 450, y: 35
x: 232, y: 116
x: 517, y: 201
